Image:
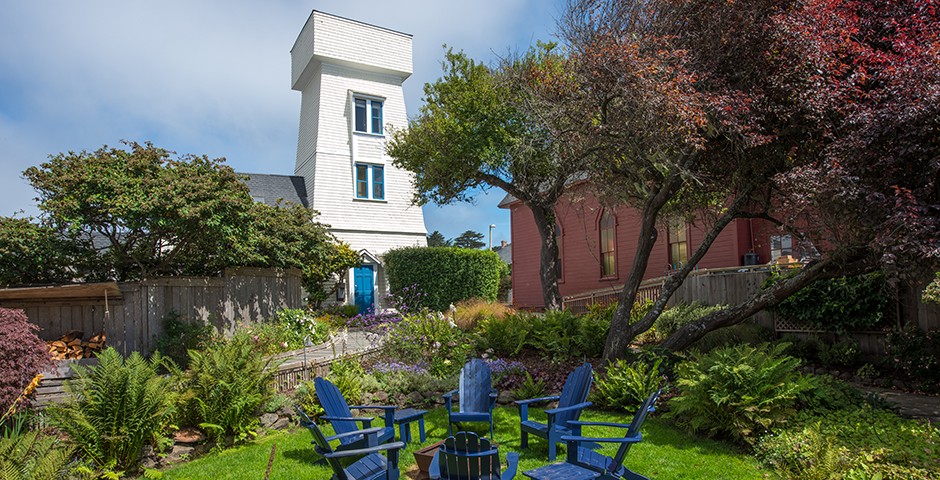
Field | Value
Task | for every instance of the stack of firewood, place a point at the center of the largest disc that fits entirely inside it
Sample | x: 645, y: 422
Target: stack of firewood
x: 71, y: 346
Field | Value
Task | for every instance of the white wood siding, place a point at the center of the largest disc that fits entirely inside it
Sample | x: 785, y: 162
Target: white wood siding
x: 342, y: 40
x: 335, y: 59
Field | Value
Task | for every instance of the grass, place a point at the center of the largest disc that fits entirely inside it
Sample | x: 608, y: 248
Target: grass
x: 665, y: 453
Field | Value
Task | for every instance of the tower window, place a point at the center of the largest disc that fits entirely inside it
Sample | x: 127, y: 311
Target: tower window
x: 368, y: 113
x: 370, y: 175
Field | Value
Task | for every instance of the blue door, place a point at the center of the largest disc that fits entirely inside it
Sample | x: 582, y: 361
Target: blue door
x: 363, y: 288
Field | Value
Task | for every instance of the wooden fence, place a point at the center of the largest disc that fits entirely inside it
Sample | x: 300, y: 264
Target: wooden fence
x: 132, y: 316
x: 730, y: 286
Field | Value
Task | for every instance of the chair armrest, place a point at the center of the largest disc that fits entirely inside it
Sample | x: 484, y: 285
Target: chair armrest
x: 374, y: 407
x: 598, y: 424
x: 512, y: 460
x: 449, y: 394
x: 579, y: 406
x: 364, y: 451
x: 348, y: 419
x: 634, y: 439
x: 367, y: 431
x: 533, y: 400
x: 434, y: 471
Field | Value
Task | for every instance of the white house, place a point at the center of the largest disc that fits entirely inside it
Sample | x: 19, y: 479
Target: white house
x: 350, y: 77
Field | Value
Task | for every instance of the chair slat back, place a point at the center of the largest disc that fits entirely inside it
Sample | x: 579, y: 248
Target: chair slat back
x: 475, y: 385
x: 638, y: 418
x: 574, y: 392
x: 456, y: 464
x: 320, y: 443
x: 335, y: 406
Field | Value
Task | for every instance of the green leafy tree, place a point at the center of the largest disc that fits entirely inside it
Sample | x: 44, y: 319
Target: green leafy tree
x: 136, y: 212
x: 153, y: 213
x: 34, y: 253
x: 436, y: 239
x: 285, y: 236
x: 932, y: 292
x: 480, y: 128
x: 469, y: 239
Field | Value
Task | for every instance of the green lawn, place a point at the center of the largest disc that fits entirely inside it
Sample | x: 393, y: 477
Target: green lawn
x: 665, y: 453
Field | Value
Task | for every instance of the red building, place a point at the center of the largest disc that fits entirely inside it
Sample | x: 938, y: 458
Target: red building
x: 596, y: 247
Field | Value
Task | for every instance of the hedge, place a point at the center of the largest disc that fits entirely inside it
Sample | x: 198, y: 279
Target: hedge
x: 444, y: 274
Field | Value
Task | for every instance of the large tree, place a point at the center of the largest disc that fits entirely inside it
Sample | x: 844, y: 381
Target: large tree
x: 724, y: 107
x: 142, y: 209
x: 860, y: 82
x: 437, y: 239
x: 482, y: 127
x: 138, y: 212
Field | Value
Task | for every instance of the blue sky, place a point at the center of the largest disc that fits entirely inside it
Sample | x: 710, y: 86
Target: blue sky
x: 213, y: 77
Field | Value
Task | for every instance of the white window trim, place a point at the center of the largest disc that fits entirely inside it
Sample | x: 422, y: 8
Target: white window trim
x: 353, y: 96
x: 369, y: 182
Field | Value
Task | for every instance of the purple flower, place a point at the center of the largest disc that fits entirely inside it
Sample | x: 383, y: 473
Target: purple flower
x: 393, y: 367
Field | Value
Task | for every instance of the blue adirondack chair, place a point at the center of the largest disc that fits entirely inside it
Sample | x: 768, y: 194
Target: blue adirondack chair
x: 372, y: 465
x: 466, y: 456
x: 571, y: 402
x: 476, y: 396
x: 341, y: 418
x: 584, y: 463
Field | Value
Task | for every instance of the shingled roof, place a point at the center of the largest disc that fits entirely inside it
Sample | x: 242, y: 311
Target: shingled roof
x: 270, y: 188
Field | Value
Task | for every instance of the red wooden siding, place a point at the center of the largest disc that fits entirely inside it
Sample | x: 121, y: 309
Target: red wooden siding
x: 581, y: 249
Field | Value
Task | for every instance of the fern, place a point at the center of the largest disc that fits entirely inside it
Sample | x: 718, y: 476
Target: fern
x: 226, y: 385
x: 627, y: 385
x: 115, y: 409
x: 742, y: 391
x: 33, y: 455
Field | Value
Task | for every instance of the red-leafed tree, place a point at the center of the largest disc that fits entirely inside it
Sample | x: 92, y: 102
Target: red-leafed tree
x: 853, y: 89
x: 820, y: 116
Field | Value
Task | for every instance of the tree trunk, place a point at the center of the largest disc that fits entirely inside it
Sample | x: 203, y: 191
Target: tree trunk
x: 690, y: 333
x: 618, y: 339
x: 674, y: 281
x: 548, y: 273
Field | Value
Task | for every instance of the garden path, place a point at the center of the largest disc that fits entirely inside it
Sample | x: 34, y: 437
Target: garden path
x: 910, y: 404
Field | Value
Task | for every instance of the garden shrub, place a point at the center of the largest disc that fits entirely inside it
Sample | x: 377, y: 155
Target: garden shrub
x: 844, y: 353
x: 837, y: 305
x: 471, y: 313
x: 115, y: 409
x: 225, y: 386
x: 530, y: 388
x: 22, y: 355
x: 872, y: 443
x: 286, y: 332
x: 506, y: 336
x: 351, y: 379
x: 429, y: 339
x: 344, y: 311
x: 445, y: 274
x: 593, y: 329
x: 932, y: 290
x: 179, y: 337
x: 914, y: 355
x: 305, y: 396
x: 741, y: 391
x: 680, y: 315
x: 625, y: 386
x: 826, y: 394
x: 743, y: 333
x: 400, y: 380
x: 554, y: 335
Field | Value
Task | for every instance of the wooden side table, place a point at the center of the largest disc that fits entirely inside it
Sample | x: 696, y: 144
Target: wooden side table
x: 404, y: 418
